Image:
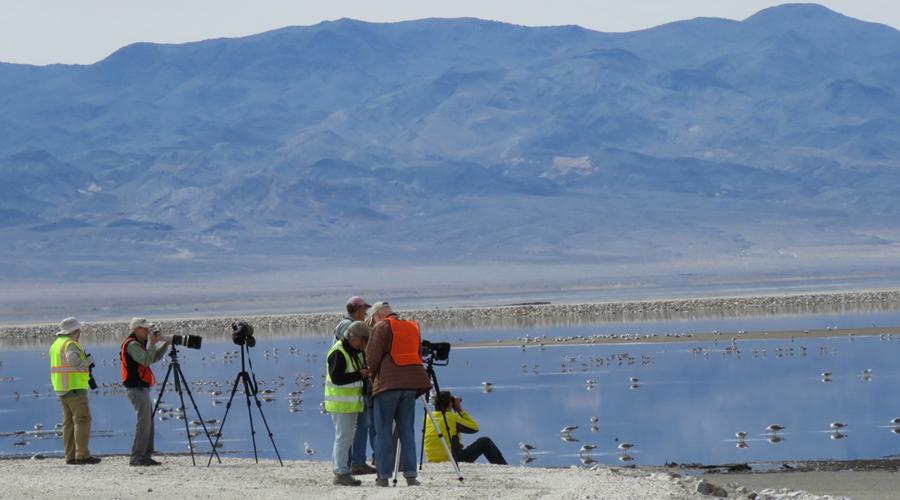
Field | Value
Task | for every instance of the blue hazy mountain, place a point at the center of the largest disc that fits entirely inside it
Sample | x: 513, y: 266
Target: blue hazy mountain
x: 705, y: 141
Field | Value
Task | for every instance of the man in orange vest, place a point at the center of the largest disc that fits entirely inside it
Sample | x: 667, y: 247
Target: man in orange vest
x: 136, y: 356
x: 394, y: 356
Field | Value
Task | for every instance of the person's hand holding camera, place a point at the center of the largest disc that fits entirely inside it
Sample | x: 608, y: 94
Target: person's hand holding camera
x: 457, y: 404
x: 89, y: 360
x: 158, y: 337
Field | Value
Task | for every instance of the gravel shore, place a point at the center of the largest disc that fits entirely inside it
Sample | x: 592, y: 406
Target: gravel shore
x: 242, y: 479
x: 508, y: 316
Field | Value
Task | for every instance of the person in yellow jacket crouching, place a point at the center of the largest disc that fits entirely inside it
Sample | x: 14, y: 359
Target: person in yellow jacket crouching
x: 458, y: 421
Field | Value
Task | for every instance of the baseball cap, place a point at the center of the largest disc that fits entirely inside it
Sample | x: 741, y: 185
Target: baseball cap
x: 357, y: 301
x: 140, y: 323
x: 357, y: 329
x: 379, y: 306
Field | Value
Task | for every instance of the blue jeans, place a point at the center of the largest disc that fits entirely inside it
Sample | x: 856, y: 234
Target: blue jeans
x: 344, y: 427
x: 364, y: 430
x: 395, y: 406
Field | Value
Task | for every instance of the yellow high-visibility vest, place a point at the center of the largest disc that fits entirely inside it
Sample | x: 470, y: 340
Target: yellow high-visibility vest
x: 63, y: 377
x: 343, y: 398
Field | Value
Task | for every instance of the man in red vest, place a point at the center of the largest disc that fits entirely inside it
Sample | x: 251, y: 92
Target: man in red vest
x: 395, y: 364
x: 136, y: 356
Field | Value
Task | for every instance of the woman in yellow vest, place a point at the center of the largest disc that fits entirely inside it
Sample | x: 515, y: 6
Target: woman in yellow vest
x: 344, y: 381
x: 70, y: 375
x: 449, y: 410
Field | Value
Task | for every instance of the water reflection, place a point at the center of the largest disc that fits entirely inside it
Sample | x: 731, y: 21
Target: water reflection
x: 642, y: 403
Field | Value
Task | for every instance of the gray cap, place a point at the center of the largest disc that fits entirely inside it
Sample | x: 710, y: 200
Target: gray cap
x: 357, y: 329
x: 69, y: 326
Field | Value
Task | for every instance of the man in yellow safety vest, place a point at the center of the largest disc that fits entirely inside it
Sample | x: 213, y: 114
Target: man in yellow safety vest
x: 345, y: 373
x: 70, y: 374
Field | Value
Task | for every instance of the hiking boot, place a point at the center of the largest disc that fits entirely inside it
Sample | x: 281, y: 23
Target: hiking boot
x: 87, y: 461
x: 361, y: 470
x: 150, y: 461
x: 411, y: 481
x: 345, y: 480
x: 381, y: 482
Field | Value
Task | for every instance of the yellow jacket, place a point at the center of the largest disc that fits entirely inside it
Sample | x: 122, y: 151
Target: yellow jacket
x: 458, y: 422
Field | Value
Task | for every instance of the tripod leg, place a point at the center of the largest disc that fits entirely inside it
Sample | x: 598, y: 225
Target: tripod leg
x: 187, y: 388
x: 268, y: 430
x: 225, y: 417
x: 441, y: 437
x: 178, y: 384
x: 396, y: 458
x: 162, y: 390
x: 246, y: 378
x: 422, y: 447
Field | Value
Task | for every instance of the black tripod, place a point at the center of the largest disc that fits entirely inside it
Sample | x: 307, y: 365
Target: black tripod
x: 181, y: 382
x: 429, y: 369
x: 250, y: 387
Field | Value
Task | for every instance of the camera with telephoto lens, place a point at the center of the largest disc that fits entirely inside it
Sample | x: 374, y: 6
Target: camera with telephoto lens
x: 438, y: 351
x: 189, y: 341
x: 242, y: 334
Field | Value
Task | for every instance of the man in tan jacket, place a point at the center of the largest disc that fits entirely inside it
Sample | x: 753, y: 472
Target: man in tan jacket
x: 395, y: 363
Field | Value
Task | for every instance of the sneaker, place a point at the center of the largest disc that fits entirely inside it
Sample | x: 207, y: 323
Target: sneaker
x: 411, y: 481
x: 361, y: 470
x: 381, y: 482
x: 87, y: 461
x: 345, y: 480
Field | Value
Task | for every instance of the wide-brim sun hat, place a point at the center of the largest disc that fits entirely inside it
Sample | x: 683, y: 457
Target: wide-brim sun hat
x: 69, y: 326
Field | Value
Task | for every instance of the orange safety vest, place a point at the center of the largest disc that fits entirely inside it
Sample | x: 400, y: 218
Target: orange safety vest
x: 406, y: 344
x: 134, y: 374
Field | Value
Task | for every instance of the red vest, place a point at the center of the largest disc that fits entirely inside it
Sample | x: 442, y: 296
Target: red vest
x: 134, y: 374
x: 406, y: 343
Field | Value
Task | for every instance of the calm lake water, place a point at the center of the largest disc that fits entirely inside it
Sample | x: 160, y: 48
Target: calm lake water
x: 690, y: 399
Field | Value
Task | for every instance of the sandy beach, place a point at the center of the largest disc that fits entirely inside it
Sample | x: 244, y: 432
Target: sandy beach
x: 241, y: 479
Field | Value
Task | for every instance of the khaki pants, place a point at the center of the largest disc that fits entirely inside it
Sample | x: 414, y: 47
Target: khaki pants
x: 76, y: 424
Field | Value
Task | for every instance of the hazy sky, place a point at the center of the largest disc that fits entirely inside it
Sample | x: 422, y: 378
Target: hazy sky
x: 85, y: 31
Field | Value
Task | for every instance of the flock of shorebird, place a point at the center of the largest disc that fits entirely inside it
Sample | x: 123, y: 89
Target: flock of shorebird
x: 835, y: 431
x: 275, y: 389
x: 584, y: 453
x: 269, y: 391
x: 773, y: 433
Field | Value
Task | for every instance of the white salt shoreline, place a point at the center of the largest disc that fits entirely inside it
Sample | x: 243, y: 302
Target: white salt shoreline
x: 510, y: 316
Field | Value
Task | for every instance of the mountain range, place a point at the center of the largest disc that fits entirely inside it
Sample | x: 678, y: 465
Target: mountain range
x: 768, y: 144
